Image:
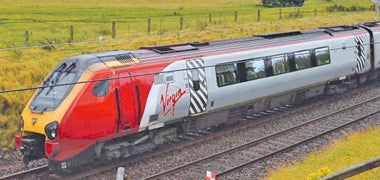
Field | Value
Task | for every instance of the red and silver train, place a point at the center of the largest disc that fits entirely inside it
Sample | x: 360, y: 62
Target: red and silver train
x: 119, y: 103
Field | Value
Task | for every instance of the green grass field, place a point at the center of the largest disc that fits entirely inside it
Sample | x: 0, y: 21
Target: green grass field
x: 48, y: 24
x: 356, y: 149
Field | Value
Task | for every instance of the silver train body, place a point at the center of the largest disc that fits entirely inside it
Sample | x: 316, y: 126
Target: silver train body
x: 228, y: 80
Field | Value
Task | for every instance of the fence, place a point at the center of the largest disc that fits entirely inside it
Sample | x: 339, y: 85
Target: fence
x: 52, y: 32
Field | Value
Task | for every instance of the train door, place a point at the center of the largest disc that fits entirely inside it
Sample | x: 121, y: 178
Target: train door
x: 197, y: 86
x: 127, y: 113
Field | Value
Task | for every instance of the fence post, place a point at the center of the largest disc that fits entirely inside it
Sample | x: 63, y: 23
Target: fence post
x: 298, y: 13
x: 280, y: 16
x: 181, y: 23
x: 148, y: 26
x: 258, y: 15
x: 209, y: 18
x: 315, y: 12
x: 26, y: 38
x: 71, y: 34
x: 113, y: 29
x: 236, y: 16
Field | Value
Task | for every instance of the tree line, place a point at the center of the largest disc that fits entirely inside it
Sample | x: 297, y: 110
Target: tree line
x: 282, y: 3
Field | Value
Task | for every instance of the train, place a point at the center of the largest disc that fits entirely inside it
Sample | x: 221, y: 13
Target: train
x: 116, y: 104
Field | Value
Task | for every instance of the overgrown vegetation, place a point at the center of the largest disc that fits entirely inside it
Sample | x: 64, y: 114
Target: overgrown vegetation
x: 356, y: 149
x: 342, y: 8
x: 48, y: 25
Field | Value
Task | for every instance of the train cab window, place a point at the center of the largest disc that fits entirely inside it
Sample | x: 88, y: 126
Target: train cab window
x: 322, y: 56
x: 101, y: 88
x: 302, y: 60
x: 255, y: 69
x: 226, y: 74
x: 280, y: 64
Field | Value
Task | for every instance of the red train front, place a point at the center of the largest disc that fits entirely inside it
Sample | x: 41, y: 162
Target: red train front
x: 85, y: 102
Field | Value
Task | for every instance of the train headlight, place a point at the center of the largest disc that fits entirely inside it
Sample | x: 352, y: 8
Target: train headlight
x: 51, y: 130
x: 21, y: 124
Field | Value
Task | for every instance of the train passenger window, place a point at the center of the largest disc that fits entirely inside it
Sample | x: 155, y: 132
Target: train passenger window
x: 302, y: 59
x: 101, y: 88
x: 280, y: 64
x: 322, y: 56
x: 255, y: 69
x: 226, y: 74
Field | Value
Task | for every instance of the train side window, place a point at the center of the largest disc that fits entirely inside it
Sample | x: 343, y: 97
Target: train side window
x: 322, y: 56
x: 195, y: 79
x: 255, y: 69
x: 101, y: 88
x: 302, y: 59
x: 280, y: 64
x: 226, y: 74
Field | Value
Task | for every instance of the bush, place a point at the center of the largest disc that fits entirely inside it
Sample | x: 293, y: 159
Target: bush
x: 343, y: 8
x: 295, y: 15
x: 322, y: 172
x: 48, y: 44
x: 202, y: 26
x: 104, y: 32
x: 372, y: 8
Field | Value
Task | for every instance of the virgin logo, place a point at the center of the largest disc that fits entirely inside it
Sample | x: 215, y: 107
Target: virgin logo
x: 169, y: 101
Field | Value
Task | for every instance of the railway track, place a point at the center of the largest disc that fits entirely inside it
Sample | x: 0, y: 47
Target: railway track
x: 231, y: 160
x: 184, y: 142
x: 25, y: 174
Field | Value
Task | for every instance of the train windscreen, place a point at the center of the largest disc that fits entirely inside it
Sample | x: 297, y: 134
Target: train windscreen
x: 55, y: 88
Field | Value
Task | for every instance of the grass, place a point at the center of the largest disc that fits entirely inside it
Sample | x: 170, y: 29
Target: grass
x: 91, y: 18
x: 355, y: 149
x: 48, y: 23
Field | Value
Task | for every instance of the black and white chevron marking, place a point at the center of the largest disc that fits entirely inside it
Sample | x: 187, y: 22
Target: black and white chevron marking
x: 359, y: 51
x: 198, y: 98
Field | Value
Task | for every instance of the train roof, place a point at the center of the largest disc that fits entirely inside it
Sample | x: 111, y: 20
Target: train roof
x: 154, y: 54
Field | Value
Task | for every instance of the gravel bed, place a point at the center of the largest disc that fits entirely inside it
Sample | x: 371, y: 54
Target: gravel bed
x: 261, y: 170
x: 10, y: 161
x: 278, y: 142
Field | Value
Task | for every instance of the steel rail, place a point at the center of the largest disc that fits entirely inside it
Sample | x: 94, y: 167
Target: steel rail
x: 24, y: 174
x: 231, y: 170
x: 257, y: 141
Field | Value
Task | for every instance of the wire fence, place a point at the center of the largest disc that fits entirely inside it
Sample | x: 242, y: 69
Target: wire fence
x: 48, y: 33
